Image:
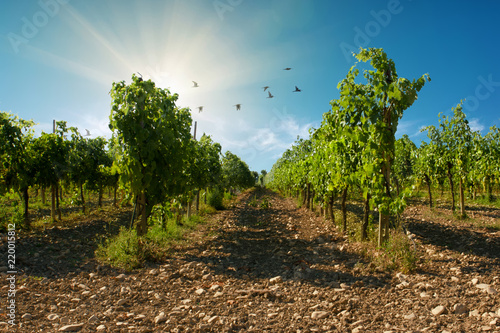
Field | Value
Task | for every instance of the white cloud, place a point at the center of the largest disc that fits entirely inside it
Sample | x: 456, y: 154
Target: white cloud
x: 475, y: 125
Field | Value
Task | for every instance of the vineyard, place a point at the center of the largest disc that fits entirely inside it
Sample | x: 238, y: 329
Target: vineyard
x: 152, y: 160
x: 355, y: 152
x: 351, y: 230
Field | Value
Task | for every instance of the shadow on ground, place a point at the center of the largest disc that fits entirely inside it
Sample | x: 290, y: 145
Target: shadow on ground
x: 264, y: 244
x: 60, y: 250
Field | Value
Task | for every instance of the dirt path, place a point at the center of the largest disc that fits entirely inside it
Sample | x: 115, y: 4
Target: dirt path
x: 280, y: 269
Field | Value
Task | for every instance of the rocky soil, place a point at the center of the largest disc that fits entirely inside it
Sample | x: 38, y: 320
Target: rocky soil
x: 250, y: 269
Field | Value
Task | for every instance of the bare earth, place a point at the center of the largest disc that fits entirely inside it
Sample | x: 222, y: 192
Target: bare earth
x: 249, y: 269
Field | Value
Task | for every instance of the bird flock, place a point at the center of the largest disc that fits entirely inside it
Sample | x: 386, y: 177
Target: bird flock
x: 238, y: 106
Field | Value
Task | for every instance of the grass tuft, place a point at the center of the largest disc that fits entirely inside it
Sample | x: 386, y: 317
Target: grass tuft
x: 129, y: 251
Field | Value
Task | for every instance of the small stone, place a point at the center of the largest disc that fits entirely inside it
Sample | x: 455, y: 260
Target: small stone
x: 423, y: 294
x: 82, y: 286
x: 160, y: 318
x: 199, y: 291
x: 486, y: 328
x: 482, y: 286
x: 474, y: 281
x: 438, y: 310
x: 27, y: 316
x: 210, y: 320
x: 52, y: 316
x: 459, y: 308
x: 410, y: 316
x: 218, y: 294
x: 455, y: 279
x: 215, y: 287
x: 492, y: 291
x: 71, y: 328
x: 319, y: 314
x: 121, y: 302
x: 65, y: 320
x: 100, y: 328
x: 474, y: 313
x: 153, y: 272
x: 93, y: 319
x: 276, y: 280
x: 358, y: 329
x: 121, y: 277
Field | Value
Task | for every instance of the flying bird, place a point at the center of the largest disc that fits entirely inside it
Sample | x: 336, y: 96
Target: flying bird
x: 287, y: 69
x: 195, y: 84
x: 88, y: 132
x: 238, y: 106
x: 200, y: 108
x: 270, y: 96
x: 265, y: 88
x: 297, y: 89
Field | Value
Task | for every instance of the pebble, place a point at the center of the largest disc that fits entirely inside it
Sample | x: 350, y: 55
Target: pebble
x: 492, y: 291
x: 276, y: 280
x: 93, y: 319
x: 438, y: 310
x: 101, y: 328
x: 410, y: 316
x: 210, y: 320
x: 65, y: 320
x: 120, y: 277
x: 319, y: 314
x: 482, y: 286
x: 121, y: 302
x: 459, y: 308
x: 199, y: 291
x: 27, y: 316
x: 71, y: 328
x: 52, y: 316
x: 160, y: 318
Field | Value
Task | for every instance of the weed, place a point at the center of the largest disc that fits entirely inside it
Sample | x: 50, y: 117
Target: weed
x: 127, y: 250
x: 265, y: 204
x: 401, y: 252
x: 121, y: 250
x: 253, y: 202
x: 215, y: 198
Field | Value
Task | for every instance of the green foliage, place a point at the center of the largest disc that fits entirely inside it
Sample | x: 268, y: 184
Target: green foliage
x: 235, y: 173
x: 121, y: 250
x: 129, y: 251
x: 401, y: 252
x: 152, y: 137
x: 215, y: 197
x: 265, y: 203
x: 355, y: 145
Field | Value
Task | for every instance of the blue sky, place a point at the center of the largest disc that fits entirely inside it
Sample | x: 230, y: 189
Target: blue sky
x: 60, y: 57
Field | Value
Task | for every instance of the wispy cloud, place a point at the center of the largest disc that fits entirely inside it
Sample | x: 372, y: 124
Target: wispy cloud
x: 475, y: 125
